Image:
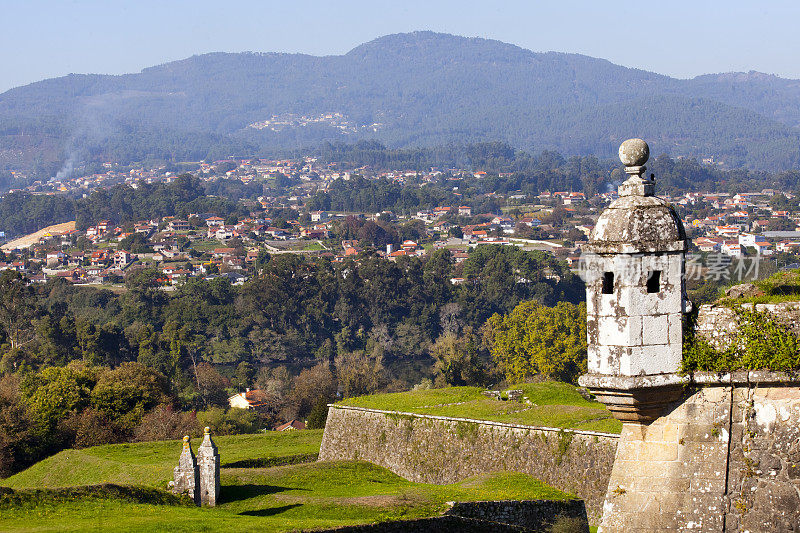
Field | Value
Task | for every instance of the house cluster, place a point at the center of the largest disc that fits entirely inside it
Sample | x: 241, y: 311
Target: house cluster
x: 744, y: 224
x: 209, y: 245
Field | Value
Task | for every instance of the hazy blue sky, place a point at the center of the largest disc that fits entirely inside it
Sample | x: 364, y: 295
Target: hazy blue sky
x: 42, y: 39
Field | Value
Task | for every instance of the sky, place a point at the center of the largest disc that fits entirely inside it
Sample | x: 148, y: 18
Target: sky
x: 48, y: 38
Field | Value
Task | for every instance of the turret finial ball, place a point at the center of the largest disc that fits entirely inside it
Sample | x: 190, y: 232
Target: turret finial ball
x: 634, y: 153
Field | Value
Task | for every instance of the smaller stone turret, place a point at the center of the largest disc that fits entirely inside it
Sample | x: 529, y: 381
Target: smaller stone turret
x: 186, y: 474
x: 208, y: 465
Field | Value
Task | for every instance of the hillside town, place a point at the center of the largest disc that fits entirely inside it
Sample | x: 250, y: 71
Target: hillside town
x: 723, y: 227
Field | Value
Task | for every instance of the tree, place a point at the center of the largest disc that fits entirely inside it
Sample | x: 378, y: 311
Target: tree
x: 22, y: 440
x: 311, y: 386
x: 318, y: 415
x: 55, y: 392
x: 456, y: 361
x: 17, y: 308
x: 359, y: 373
x: 245, y: 373
x: 213, y: 385
x: 144, y: 300
x: 413, y: 230
x: 780, y: 224
x: 135, y: 243
x: 127, y: 392
x: 535, y: 339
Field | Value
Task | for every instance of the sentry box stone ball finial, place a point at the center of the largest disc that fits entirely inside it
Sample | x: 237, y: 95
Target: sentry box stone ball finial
x: 634, y: 153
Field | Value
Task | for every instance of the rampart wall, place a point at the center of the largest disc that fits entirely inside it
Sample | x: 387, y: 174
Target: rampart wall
x: 489, y: 517
x: 717, y: 323
x: 435, y: 449
x: 726, y: 457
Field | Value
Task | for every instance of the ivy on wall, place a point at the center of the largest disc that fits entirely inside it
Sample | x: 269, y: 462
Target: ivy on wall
x: 761, y: 343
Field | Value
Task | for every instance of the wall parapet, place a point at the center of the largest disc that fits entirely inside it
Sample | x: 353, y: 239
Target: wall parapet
x: 717, y: 323
x: 475, y: 421
x: 441, y: 450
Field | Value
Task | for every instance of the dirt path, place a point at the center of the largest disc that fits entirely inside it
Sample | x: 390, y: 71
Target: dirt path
x: 33, y: 238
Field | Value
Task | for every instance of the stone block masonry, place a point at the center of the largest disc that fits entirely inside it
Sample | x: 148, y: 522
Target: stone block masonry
x: 198, y: 476
x: 435, y: 449
x: 487, y: 517
x: 537, y: 515
x: 186, y: 474
x: 208, y: 467
x: 726, y: 457
x: 437, y: 524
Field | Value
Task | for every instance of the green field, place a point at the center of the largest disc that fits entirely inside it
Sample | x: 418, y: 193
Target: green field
x: 552, y: 404
x: 282, y: 498
x: 206, y: 245
x: 151, y: 463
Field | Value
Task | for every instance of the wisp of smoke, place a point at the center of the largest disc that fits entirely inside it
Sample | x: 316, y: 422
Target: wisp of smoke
x: 67, y: 167
x: 93, y: 123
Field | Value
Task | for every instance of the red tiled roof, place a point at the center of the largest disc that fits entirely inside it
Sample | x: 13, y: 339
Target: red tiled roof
x: 294, y: 424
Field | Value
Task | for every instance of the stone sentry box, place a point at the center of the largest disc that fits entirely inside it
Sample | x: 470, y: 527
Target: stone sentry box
x: 634, y: 273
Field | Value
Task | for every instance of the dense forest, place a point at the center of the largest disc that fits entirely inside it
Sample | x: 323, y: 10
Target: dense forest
x: 358, y: 326
x: 410, y: 90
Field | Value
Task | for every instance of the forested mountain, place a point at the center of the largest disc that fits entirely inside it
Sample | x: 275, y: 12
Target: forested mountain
x: 417, y: 89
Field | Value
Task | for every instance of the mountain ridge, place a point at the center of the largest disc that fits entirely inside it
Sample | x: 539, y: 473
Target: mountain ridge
x: 421, y: 88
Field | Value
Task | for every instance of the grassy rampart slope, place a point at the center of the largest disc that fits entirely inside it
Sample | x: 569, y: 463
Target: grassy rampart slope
x: 273, y: 499
x: 151, y: 463
x: 551, y: 404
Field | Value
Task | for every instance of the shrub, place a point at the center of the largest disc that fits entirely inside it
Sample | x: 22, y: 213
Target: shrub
x: 164, y: 422
x: 231, y: 422
x: 90, y: 428
x: 127, y: 392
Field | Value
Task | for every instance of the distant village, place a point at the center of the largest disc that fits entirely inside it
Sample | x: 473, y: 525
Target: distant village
x: 765, y: 223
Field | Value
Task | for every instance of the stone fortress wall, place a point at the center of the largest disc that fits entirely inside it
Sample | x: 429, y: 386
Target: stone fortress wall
x: 435, y: 449
x: 717, y: 323
x: 488, y: 517
x: 726, y: 457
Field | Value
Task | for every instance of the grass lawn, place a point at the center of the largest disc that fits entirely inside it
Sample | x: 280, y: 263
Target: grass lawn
x: 552, y: 405
x: 313, y: 246
x: 206, y: 245
x: 151, y: 463
x: 287, y: 498
x: 265, y: 498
